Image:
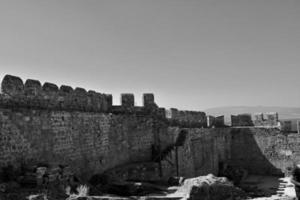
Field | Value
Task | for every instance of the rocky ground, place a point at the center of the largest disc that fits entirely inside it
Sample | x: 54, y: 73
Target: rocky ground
x: 204, y: 187
x: 60, y: 183
x: 269, y: 188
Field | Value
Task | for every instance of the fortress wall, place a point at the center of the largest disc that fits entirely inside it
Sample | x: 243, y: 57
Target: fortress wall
x: 32, y: 94
x: 89, y: 142
x: 258, y: 150
x: 45, y: 124
x: 265, y: 151
x: 203, y: 151
x: 185, y: 118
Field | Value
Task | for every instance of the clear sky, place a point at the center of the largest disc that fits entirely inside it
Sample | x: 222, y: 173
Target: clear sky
x: 190, y: 54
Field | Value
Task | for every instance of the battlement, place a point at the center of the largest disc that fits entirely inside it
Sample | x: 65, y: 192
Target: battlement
x: 260, y: 120
x: 267, y: 119
x: 241, y: 120
x: 215, y: 122
x: 32, y: 94
x: 184, y: 118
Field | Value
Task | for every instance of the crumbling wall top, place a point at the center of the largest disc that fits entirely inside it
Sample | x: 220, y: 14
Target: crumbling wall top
x: 184, y: 118
x: 12, y: 85
x: 33, y: 94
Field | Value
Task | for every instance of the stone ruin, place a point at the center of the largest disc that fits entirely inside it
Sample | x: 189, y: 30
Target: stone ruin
x: 54, y: 138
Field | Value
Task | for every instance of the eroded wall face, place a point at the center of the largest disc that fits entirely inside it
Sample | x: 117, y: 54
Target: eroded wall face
x: 266, y: 151
x: 89, y: 142
x: 209, y: 148
x: 203, y: 151
x: 257, y: 150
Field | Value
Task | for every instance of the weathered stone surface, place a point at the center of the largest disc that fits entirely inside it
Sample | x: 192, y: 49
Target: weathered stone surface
x: 66, y: 89
x: 12, y: 85
x: 241, y: 120
x: 80, y: 99
x: 215, y: 122
x: 127, y: 100
x: 109, y: 101
x: 49, y: 96
x: 209, y: 188
x: 139, y: 172
x: 148, y: 100
x: 32, y: 95
x: 257, y: 150
x: 88, y: 142
x: 33, y: 87
x: 50, y: 88
x: 187, y: 118
x: 82, y: 129
x: 270, y: 119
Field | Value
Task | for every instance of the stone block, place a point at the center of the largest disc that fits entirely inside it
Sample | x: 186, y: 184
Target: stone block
x: 148, y: 100
x: 66, y: 89
x: 33, y: 87
x: 79, y: 99
x: 109, y: 100
x: 50, y: 89
x: 12, y: 85
x: 127, y: 100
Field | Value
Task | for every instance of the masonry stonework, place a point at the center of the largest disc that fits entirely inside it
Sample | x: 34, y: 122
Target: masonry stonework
x: 44, y: 123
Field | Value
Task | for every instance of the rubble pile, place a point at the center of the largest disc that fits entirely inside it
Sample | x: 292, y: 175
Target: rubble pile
x: 209, y: 188
x: 235, y: 174
x: 37, y: 182
x: 45, y: 182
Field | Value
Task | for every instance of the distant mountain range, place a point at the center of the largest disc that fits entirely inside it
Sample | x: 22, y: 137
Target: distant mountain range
x: 283, y: 112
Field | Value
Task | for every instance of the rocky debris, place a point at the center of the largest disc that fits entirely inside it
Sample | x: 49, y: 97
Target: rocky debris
x: 175, y: 181
x: 59, y: 183
x: 209, y: 188
x: 136, y: 172
x: 9, y: 186
x: 37, y: 182
x: 233, y: 173
x: 125, y: 188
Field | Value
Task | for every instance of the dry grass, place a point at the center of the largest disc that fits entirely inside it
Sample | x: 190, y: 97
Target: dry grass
x: 82, y: 190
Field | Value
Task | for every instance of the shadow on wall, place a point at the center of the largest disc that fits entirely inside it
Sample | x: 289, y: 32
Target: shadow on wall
x: 254, y: 152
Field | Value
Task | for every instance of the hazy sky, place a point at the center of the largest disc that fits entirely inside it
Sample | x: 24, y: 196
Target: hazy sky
x: 191, y: 54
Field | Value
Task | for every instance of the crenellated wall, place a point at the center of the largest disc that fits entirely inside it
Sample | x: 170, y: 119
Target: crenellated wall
x: 52, y: 125
x: 184, y: 118
x: 49, y: 96
x: 66, y: 126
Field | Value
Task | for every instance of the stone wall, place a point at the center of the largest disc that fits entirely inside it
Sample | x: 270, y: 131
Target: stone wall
x: 215, y: 122
x: 241, y: 120
x: 257, y: 150
x: 185, y: 118
x: 266, y: 120
x: 202, y: 152
x: 49, y: 96
x: 60, y: 125
x: 90, y: 142
x: 44, y: 124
